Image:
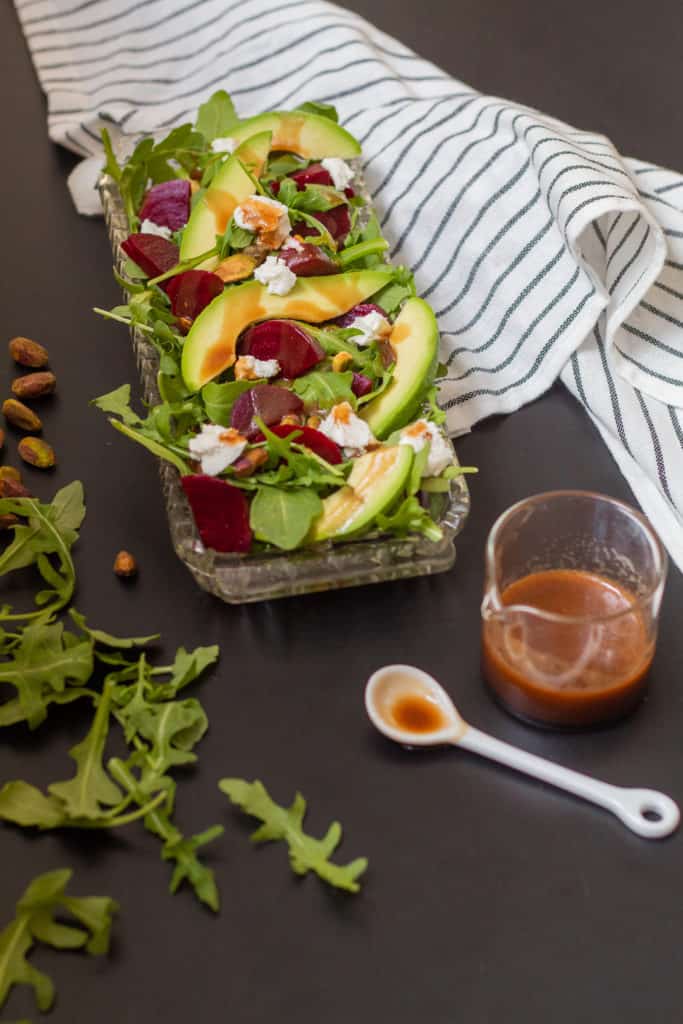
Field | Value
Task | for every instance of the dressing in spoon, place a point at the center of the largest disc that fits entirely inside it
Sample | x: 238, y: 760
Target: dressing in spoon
x: 408, y: 705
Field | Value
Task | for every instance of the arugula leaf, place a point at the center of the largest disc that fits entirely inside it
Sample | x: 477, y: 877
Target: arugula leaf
x: 91, y: 787
x: 285, y: 163
x: 283, y: 518
x: 156, y: 447
x: 36, y: 920
x: 118, y: 403
x: 234, y: 239
x: 217, y: 117
x: 24, y: 805
x: 303, y: 467
x: 45, y: 660
x: 322, y: 109
x: 321, y: 389
x: 100, y: 637
x: 189, y: 867
x: 392, y: 296
x: 436, y: 413
x: 286, y: 823
x: 187, y: 667
x: 51, y: 532
x: 410, y: 517
x: 219, y: 399
x: 111, y: 166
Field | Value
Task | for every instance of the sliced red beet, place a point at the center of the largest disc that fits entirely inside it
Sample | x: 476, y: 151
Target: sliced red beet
x: 313, y: 439
x: 265, y: 402
x: 295, y: 351
x: 308, y: 261
x: 314, y: 174
x: 168, y: 204
x: 361, y: 385
x: 337, y: 221
x: 220, y: 511
x: 191, y: 291
x: 362, y: 309
x: 154, y: 255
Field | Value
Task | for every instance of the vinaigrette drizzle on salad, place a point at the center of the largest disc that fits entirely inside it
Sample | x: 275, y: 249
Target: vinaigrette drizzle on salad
x: 296, y: 366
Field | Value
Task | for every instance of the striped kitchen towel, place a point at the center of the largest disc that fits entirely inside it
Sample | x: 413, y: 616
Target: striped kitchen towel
x: 544, y: 252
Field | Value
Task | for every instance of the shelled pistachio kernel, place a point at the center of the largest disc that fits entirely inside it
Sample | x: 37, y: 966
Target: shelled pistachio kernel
x: 341, y: 361
x: 28, y: 353
x: 19, y: 415
x: 37, y: 452
x: 125, y: 564
x: 34, y: 385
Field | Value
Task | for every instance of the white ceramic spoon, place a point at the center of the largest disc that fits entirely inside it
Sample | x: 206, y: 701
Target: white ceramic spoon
x: 645, y: 811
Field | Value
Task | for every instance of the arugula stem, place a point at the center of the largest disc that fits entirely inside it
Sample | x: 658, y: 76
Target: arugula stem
x: 139, y: 812
x: 179, y: 268
x: 122, y: 320
x: 356, y: 252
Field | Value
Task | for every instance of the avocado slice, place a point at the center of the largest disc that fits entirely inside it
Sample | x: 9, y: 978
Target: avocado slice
x: 415, y: 340
x: 374, y: 483
x: 210, y: 346
x: 310, y: 135
x: 230, y: 187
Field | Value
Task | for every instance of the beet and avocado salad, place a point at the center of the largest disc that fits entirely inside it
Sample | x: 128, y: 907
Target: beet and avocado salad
x: 296, y: 366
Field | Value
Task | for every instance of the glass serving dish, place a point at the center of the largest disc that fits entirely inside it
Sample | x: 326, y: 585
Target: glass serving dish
x: 242, y: 578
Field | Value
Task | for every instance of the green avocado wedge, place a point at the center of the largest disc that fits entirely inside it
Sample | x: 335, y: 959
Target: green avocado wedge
x: 230, y: 187
x: 310, y: 135
x: 374, y: 483
x: 211, y: 344
x: 415, y: 340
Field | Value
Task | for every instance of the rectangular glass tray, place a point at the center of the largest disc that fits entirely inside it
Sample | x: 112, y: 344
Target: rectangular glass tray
x: 243, y: 578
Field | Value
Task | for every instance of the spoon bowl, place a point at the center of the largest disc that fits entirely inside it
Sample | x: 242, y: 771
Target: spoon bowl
x: 408, y: 706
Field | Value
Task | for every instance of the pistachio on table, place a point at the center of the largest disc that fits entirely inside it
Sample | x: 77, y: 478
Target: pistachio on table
x: 37, y: 452
x: 8, y: 520
x: 34, y: 385
x: 9, y: 473
x: 19, y: 415
x: 10, y: 488
x: 125, y: 564
x: 28, y: 353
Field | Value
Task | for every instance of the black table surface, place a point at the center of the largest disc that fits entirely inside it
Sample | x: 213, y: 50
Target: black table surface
x: 488, y: 898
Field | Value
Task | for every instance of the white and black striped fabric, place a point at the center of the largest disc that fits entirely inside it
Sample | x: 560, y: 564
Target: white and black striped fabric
x: 544, y: 253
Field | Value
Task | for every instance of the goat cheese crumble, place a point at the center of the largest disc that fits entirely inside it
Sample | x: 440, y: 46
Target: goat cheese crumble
x: 276, y: 275
x: 217, y: 447
x: 267, y: 217
x: 250, y: 368
x: 224, y: 145
x: 346, y: 429
x: 339, y: 171
x: 149, y: 227
x: 418, y: 434
x: 373, y: 327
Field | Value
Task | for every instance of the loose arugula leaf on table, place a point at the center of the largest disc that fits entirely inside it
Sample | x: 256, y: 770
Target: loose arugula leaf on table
x: 286, y: 823
x: 188, y: 867
x: 321, y: 389
x: 283, y: 518
x: 45, y: 541
x: 25, y: 805
x: 99, y: 636
x: 36, y: 920
x: 162, y: 432
x: 217, y: 117
x: 44, y: 665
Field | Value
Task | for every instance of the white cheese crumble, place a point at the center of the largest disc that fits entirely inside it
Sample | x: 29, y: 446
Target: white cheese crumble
x: 293, y: 243
x: 276, y: 275
x: 373, y: 327
x: 217, y: 447
x: 250, y: 368
x: 267, y: 217
x: 224, y: 145
x: 418, y: 434
x: 346, y: 429
x: 149, y: 227
x: 339, y: 171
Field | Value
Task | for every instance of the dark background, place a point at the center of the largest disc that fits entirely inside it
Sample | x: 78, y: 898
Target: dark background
x: 488, y: 898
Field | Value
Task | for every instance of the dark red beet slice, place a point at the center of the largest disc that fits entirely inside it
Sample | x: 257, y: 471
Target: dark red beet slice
x: 294, y: 350
x: 314, y: 174
x: 220, y: 511
x: 362, y: 309
x: 266, y: 402
x: 154, y: 255
x: 168, y: 204
x: 337, y: 221
x: 361, y: 385
x: 308, y: 261
x: 313, y: 439
x: 192, y: 291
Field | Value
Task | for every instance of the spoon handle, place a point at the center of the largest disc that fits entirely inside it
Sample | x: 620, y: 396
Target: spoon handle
x: 630, y: 805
